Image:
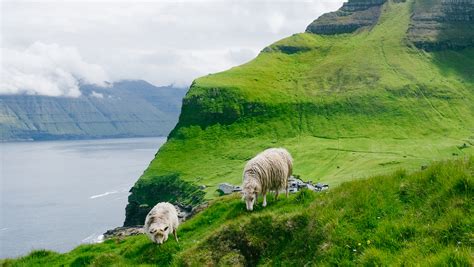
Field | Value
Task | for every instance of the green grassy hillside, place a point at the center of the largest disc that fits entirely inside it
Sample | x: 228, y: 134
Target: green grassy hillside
x: 424, y: 218
x: 346, y: 106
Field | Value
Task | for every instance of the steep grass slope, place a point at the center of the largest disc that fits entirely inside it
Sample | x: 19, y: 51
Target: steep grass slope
x: 424, y: 218
x: 345, y: 105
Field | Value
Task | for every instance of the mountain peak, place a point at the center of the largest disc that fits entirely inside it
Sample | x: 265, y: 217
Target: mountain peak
x: 434, y: 24
x: 353, y: 15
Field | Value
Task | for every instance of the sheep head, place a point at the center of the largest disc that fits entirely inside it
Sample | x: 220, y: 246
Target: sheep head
x: 250, y: 194
x: 159, y: 233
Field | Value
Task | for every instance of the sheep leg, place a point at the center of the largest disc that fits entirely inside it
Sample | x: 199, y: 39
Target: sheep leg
x: 286, y: 190
x: 264, y: 199
x: 175, y: 235
x: 276, y: 194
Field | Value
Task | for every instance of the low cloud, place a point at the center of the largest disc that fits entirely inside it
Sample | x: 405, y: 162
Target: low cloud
x: 97, y: 95
x: 47, y: 69
x: 163, y: 42
x: 275, y: 22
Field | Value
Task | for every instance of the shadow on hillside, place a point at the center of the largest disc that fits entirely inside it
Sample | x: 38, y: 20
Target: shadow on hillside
x: 459, y: 62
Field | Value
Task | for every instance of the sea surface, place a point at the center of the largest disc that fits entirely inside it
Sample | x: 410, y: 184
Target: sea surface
x: 58, y: 194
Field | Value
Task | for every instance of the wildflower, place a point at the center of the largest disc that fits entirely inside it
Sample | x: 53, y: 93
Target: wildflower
x: 359, y: 244
x: 368, y: 242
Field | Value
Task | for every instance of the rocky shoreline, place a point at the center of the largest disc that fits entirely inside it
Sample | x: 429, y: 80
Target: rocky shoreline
x: 184, y: 213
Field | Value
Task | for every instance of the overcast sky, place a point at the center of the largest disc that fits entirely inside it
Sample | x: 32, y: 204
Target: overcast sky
x: 48, y: 47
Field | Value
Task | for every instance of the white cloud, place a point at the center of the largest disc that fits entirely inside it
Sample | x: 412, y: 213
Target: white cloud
x: 47, y: 69
x: 276, y: 22
x: 97, y: 95
x: 161, y: 41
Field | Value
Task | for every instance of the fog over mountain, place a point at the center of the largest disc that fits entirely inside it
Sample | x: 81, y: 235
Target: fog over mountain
x: 49, y: 47
x: 49, y: 70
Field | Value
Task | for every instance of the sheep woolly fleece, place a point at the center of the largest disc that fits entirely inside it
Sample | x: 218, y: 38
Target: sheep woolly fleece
x: 161, y: 221
x: 268, y: 171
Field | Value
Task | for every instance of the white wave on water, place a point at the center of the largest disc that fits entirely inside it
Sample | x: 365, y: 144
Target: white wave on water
x: 104, y: 194
x: 3, y: 229
x: 124, y: 190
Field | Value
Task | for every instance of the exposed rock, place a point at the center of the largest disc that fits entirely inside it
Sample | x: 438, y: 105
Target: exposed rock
x: 295, y: 184
x: 435, y: 24
x: 227, y: 188
x: 121, y: 232
x: 184, y: 213
x: 286, y: 49
x: 168, y: 188
x: 351, y: 16
x: 442, y: 24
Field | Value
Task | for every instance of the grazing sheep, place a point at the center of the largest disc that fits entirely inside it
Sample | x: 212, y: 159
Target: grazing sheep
x: 161, y: 221
x: 267, y: 171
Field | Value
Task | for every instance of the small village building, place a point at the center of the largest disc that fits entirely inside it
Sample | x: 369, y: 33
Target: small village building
x: 294, y: 185
x: 237, y: 189
x: 226, y: 188
x: 321, y: 187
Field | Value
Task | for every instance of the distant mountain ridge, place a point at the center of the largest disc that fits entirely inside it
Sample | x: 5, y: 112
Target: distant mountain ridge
x: 130, y: 108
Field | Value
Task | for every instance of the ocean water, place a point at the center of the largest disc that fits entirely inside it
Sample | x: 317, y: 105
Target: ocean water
x: 56, y: 195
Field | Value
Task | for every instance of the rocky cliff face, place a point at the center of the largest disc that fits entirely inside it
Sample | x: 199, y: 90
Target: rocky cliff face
x: 127, y: 109
x: 351, y: 16
x: 435, y: 24
x: 170, y: 188
x: 442, y: 24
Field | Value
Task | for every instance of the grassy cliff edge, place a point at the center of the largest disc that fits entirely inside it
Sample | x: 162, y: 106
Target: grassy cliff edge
x: 425, y: 217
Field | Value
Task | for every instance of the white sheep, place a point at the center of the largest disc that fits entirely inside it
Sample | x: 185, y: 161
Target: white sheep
x: 161, y: 221
x: 267, y: 171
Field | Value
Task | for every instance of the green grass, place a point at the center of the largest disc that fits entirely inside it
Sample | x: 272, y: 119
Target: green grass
x: 346, y: 106
x: 424, y: 218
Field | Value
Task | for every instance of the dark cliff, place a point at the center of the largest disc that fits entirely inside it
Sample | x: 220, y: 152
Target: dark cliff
x: 351, y: 16
x: 442, y: 24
